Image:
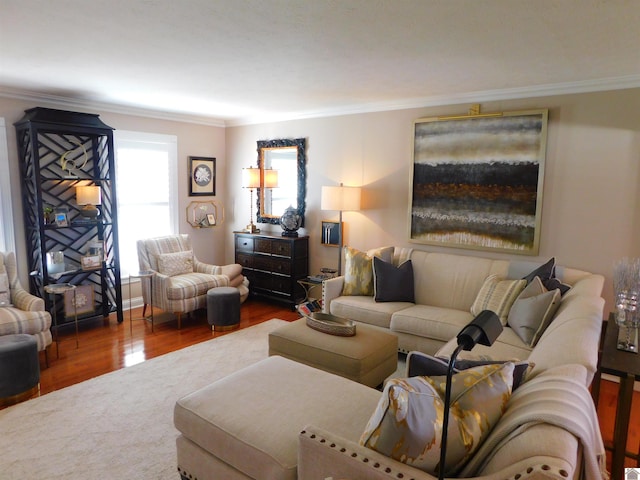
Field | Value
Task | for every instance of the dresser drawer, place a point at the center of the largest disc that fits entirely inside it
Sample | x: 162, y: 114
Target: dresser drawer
x: 244, y: 244
x: 244, y: 259
x: 281, y: 248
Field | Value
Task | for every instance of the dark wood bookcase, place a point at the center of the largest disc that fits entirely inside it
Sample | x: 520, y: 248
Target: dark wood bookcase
x: 58, y: 151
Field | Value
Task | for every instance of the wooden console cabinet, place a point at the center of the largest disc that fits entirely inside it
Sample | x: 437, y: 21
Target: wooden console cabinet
x: 274, y: 265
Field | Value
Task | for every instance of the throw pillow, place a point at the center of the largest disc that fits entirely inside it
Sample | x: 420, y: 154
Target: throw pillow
x: 407, y: 423
x: 5, y: 294
x: 497, y: 295
x: 421, y: 364
x: 533, y: 311
x: 391, y: 283
x: 358, y: 269
x: 547, y: 274
x: 171, y: 264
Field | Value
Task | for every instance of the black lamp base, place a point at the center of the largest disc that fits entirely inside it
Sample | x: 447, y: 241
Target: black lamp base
x: 290, y: 234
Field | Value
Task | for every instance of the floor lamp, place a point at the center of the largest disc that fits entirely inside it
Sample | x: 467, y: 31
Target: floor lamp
x: 342, y: 199
x: 484, y: 329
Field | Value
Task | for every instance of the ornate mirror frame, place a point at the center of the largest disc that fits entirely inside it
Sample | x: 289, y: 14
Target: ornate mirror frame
x: 301, y: 166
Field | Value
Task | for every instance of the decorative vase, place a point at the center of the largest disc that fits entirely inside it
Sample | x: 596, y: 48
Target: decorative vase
x: 290, y: 221
x: 626, y: 279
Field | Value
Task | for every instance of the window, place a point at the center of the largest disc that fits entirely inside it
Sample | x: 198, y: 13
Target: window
x: 7, y: 240
x: 146, y: 169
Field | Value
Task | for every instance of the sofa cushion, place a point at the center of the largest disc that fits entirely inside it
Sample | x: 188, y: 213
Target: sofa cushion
x: 366, y: 310
x: 430, y: 322
x: 508, y: 346
x: 423, y: 365
x: 358, y: 270
x: 532, y: 311
x: 497, y: 295
x: 407, y: 423
x: 177, y: 263
x: 391, y: 283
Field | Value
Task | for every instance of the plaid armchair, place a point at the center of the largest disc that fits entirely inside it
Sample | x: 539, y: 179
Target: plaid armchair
x: 20, y: 311
x: 181, y: 281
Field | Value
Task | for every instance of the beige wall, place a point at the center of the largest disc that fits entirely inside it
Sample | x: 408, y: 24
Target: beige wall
x: 193, y: 139
x: 590, y: 216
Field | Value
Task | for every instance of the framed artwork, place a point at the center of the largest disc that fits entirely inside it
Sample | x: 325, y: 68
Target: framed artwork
x: 211, y: 219
x: 61, y: 217
x: 331, y: 232
x: 204, y: 214
x: 477, y: 181
x: 202, y: 176
x: 90, y: 262
x: 84, y: 300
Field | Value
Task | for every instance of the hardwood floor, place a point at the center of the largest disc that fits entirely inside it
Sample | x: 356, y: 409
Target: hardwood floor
x: 112, y: 346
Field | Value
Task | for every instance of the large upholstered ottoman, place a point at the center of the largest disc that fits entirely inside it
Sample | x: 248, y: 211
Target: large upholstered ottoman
x: 247, y: 424
x: 368, y: 357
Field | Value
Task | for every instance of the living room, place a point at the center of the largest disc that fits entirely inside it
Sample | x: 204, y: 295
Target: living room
x: 591, y: 173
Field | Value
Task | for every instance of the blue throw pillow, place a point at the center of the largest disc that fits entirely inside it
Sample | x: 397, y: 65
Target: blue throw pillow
x: 391, y: 283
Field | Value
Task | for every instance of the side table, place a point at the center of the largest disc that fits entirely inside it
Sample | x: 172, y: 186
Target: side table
x: 143, y: 275
x: 54, y: 289
x: 626, y: 366
x: 308, y: 283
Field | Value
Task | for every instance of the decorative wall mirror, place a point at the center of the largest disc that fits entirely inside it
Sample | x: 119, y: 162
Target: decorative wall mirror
x: 289, y: 158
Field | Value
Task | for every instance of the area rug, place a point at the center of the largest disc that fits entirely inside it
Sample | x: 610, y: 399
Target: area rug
x: 119, y: 425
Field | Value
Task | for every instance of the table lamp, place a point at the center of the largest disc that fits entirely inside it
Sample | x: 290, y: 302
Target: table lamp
x: 251, y: 180
x: 89, y: 196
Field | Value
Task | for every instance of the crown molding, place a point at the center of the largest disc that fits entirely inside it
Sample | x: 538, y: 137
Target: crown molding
x: 584, y: 86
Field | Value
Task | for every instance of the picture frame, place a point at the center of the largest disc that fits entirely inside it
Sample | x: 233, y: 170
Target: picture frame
x: 91, y: 262
x: 84, y: 301
x: 61, y: 217
x: 204, y: 213
x: 331, y: 232
x: 477, y: 181
x: 202, y: 176
x: 211, y: 219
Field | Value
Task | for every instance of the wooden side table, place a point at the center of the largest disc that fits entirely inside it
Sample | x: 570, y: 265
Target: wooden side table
x: 626, y: 366
x: 54, y: 289
x: 143, y: 276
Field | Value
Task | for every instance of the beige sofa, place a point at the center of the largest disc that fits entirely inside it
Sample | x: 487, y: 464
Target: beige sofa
x: 246, y: 425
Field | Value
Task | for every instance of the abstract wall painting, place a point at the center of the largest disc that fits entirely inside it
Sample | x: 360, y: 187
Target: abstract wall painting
x: 477, y: 181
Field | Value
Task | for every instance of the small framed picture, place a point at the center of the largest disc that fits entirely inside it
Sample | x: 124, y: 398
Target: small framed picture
x: 211, y: 219
x: 79, y: 301
x: 90, y: 262
x: 202, y: 176
x: 331, y: 232
x: 61, y: 217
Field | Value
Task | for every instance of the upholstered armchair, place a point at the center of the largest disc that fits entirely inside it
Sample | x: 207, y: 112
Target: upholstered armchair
x: 20, y: 311
x: 180, y: 281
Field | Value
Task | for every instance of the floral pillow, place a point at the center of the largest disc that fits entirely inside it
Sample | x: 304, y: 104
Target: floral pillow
x: 358, y: 269
x: 407, y: 423
x: 177, y: 263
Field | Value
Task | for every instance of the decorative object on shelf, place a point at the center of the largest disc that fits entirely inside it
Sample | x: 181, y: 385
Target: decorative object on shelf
x: 81, y: 300
x: 331, y: 232
x: 202, y: 176
x: 204, y: 214
x: 290, y: 222
x: 342, y: 199
x: 47, y: 214
x: 89, y: 196
x: 70, y: 164
x: 626, y: 285
x: 251, y: 180
x: 91, y: 262
x: 477, y: 180
x: 61, y: 216
x: 55, y: 262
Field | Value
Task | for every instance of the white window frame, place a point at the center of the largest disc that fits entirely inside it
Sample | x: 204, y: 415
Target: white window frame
x: 132, y: 139
x: 7, y: 236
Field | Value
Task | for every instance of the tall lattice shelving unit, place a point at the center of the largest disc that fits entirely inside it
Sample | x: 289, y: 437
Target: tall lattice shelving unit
x: 49, y: 140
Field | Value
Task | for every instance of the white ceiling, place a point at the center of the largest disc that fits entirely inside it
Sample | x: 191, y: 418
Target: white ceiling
x: 242, y: 61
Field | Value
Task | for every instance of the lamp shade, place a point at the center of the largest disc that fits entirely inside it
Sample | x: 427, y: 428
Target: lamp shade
x: 270, y: 178
x: 251, y: 177
x: 340, y: 198
x: 88, y: 195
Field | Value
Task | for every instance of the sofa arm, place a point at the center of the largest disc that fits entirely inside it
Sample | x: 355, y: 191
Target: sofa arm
x: 25, y: 301
x: 331, y: 289
x: 323, y: 455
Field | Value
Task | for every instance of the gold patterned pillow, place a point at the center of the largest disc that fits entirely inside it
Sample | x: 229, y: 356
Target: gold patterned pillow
x: 171, y: 264
x: 407, y: 424
x: 497, y: 295
x: 358, y: 269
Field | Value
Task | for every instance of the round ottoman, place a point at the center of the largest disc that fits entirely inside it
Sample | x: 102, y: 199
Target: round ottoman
x: 223, y: 308
x: 19, y: 368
